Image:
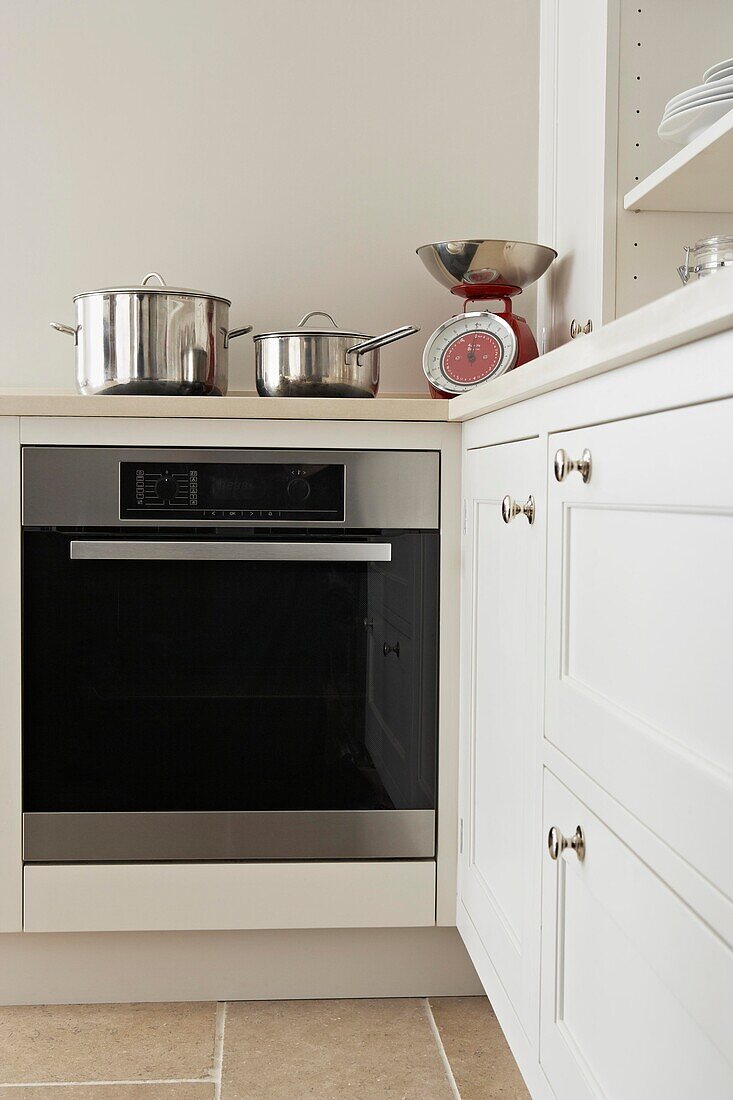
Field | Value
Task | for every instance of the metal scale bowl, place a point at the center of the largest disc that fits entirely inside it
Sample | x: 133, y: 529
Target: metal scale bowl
x: 476, y: 345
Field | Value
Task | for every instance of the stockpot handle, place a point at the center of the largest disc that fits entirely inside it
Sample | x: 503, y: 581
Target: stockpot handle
x: 316, y: 313
x: 153, y: 275
x: 234, y: 332
x: 375, y: 342
x: 68, y: 329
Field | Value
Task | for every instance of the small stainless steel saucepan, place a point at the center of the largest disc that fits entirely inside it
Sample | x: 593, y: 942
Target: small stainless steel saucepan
x: 319, y: 362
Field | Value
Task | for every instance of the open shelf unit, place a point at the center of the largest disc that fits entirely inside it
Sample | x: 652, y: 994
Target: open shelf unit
x: 698, y: 178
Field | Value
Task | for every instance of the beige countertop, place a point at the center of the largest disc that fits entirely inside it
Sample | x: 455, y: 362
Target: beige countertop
x: 235, y: 406
x: 687, y: 314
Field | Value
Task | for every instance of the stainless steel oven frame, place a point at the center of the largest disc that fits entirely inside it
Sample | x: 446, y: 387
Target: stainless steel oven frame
x: 79, y: 487
x: 238, y: 835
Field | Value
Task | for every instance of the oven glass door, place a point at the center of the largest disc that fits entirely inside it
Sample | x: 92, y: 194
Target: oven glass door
x: 189, y: 696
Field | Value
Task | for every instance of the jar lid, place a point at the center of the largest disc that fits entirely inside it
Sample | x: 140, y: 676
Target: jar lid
x: 722, y: 241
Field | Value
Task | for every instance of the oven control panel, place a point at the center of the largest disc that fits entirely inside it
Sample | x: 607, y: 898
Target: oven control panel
x: 231, y: 491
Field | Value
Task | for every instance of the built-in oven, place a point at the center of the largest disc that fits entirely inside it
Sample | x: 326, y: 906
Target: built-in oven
x: 229, y: 654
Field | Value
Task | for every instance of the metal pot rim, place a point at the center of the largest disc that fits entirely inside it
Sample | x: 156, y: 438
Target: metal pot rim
x: 175, y: 291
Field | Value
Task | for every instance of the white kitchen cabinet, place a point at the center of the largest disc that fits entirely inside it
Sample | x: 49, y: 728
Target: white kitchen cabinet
x: 498, y: 891
x: 639, y: 624
x: 637, y: 991
x: 596, y: 685
x: 579, y: 41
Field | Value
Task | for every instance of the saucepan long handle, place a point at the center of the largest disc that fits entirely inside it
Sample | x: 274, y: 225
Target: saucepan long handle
x: 375, y: 342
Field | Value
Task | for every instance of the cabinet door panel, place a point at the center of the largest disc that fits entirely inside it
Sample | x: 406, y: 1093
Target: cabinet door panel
x: 640, y: 623
x: 578, y: 160
x: 637, y: 992
x: 501, y: 732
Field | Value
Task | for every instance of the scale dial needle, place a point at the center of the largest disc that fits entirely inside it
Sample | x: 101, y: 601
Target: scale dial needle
x: 471, y: 356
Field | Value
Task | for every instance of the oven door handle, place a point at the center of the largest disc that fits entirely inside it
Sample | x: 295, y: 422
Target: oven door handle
x: 141, y: 550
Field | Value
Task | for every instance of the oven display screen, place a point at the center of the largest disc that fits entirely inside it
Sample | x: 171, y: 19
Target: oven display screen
x: 232, y: 491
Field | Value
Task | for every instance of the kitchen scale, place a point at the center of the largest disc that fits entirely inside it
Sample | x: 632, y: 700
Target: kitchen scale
x: 476, y: 345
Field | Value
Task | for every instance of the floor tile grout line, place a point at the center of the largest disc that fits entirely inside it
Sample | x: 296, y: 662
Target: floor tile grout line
x: 218, y: 1067
x: 78, y: 1084
x: 441, y: 1050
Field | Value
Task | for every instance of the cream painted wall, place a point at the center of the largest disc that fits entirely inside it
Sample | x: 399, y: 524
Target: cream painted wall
x: 289, y: 154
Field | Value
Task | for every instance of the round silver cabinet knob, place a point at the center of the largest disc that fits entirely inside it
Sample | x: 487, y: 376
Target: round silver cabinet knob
x: 565, y: 465
x: 511, y: 508
x: 557, y: 843
x: 578, y: 329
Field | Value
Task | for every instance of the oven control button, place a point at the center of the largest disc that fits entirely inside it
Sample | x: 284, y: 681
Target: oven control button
x: 299, y: 490
x: 166, y: 488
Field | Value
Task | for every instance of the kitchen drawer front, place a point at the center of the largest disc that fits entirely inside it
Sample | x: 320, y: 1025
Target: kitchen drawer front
x: 637, y: 991
x: 202, y: 896
x: 640, y: 623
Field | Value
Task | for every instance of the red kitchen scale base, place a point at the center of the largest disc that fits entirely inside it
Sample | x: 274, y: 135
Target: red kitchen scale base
x: 499, y: 292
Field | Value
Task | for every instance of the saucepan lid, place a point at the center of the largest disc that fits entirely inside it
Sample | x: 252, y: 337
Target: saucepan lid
x: 302, y: 330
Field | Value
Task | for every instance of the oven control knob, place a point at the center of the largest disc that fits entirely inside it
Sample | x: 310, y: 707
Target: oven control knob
x: 298, y: 490
x: 166, y: 488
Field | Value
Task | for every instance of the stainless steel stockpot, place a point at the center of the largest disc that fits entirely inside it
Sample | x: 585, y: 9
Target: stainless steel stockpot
x: 151, y: 340
x: 317, y: 362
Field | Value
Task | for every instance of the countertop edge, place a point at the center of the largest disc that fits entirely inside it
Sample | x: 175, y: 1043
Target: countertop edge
x: 681, y: 317
x: 235, y: 407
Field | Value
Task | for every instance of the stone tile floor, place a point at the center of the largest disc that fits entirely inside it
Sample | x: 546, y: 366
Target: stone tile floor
x: 413, y: 1049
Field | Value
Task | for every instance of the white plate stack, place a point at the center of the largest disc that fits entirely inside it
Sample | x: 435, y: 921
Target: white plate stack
x: 689, y: 113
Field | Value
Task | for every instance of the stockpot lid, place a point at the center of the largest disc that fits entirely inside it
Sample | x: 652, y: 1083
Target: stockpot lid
x: 301, y: 330
x: 162, y: 288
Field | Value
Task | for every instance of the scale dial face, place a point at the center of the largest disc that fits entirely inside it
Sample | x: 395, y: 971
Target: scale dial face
x: 468, y: 349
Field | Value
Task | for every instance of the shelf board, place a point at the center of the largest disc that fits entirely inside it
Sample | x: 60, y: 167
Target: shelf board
x: 699, y: 178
